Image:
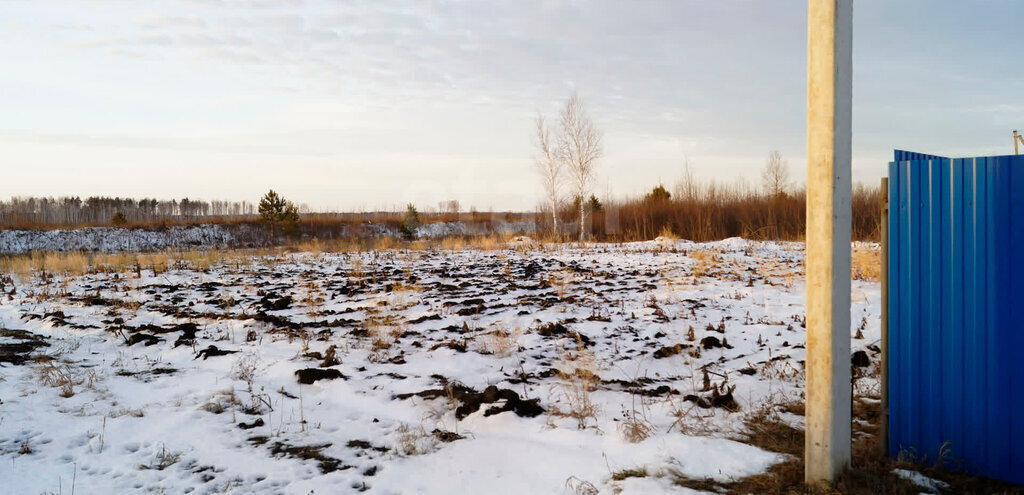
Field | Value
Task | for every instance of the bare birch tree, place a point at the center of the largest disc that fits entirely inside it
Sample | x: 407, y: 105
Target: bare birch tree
x: 549, y: 164
x: 775, y: 176
x: 580, y: 147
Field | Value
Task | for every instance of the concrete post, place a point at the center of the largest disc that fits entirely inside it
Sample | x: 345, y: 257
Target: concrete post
x: 829, y: 85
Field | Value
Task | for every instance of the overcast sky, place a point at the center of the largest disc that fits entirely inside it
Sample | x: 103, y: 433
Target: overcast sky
x: 367, y: 105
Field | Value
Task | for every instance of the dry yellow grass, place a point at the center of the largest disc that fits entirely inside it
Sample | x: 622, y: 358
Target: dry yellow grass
x: 577, y: 370
x: 311, y: 246
x: 489, y: 243
x: 667, y: 234
x: 705, y: 261
x: 18, y: 266
x: 865, y: 263
x: 453, y: 243
x: 501, y: 341
x: 384, y: 243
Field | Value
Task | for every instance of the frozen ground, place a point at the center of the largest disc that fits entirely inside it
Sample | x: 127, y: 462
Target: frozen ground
x: 189, y: 381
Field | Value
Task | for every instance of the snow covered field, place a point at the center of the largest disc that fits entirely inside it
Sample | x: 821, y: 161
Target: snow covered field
x: 516, y: 371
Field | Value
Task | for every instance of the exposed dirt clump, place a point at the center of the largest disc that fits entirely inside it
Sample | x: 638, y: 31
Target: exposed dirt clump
x: 276, y: 304
x: 18, y: 352
x: 712, y: 342
x: 860, y: 359
x: 248, y: 426
x: 446, y: 436
x: 669, y: 351
x: 470, y: 401
x: 309, y: 376
x: 719, y: 398
x: 552, y: 330
x: 144, y: 338
x: 326, y: 463
x: 212, y: 351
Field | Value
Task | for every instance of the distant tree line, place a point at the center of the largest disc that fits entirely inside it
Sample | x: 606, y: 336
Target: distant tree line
x: 32, y: 212
x: 710, y: 210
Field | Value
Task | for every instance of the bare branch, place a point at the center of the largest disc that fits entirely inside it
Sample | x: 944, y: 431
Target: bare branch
x: 550, y: 167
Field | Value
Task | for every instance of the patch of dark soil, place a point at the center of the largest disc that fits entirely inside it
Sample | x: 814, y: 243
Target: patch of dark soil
x: 310, y: 375
x: 279, y: 322
x: 146, y: 375
x: 364, y: 445
x: 326, y: 463
x: 472, y: 310
x: 554, y: 329
x: 669, y: 351
x: 56, y: 317
x: 639, y: 382
x: 248, y: 426
x: 661, y: 391
x: 144, y: 338
x: 275, y: 304
x: 451, y: 344
x: 519, y: 377
x: 470, y: 400
x: 340, y: 322
x: 860, y: 359
x: 92, y: 300
x: 188, y: 332
x: 424, y: 318
x: 531, y: 270
x: 558, y: 329
x: 17, y: 353
x: 212, y: 351
x: 712, y: 342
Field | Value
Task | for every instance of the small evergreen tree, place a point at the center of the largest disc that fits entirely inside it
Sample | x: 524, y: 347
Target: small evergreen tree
x: 593, y: 204
x: 658, y: 194
x: 411, y: 222
x: 275, y: 210
x: 119, y: 219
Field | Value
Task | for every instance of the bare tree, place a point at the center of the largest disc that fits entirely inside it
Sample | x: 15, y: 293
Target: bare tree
x: 549, y: 164
x: 686, y: 186
x: 775, y: 175
x: 580, y: 147
x: 450, y: 206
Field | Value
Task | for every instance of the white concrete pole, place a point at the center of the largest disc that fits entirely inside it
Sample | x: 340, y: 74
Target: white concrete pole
x: 829, y: 87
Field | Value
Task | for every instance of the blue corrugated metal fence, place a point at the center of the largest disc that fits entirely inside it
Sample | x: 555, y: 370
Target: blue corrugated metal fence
x: 956, y: 311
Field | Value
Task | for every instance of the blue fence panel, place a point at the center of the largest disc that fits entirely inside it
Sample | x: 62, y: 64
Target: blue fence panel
x: 956, y: 313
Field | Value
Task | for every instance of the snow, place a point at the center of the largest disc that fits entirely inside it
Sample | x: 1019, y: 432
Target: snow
x: 135, y: 409
x: 922, y: 481
x: 115, y: 239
